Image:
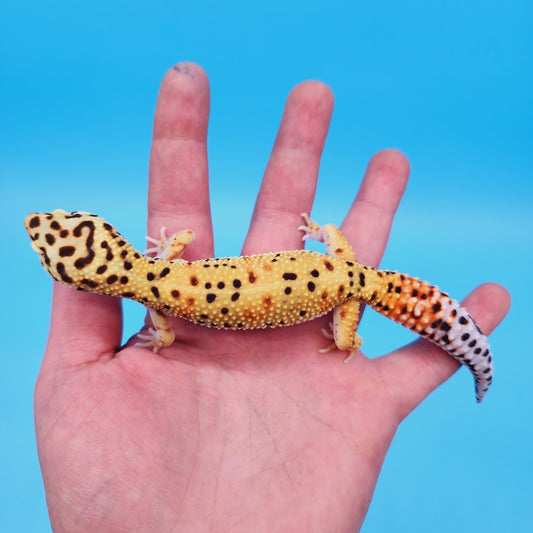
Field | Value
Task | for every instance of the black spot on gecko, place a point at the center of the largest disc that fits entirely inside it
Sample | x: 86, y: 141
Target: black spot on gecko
x: 463, y: 320
x: 63, y: 233
x: 55, y: 225
x: 302, y: 313
x: 328, y: 265
x: 237, y: 283
x: 66, y: 251
x: 210, y: 297
x: 221, y: 285
x: 124, y: 280
x: 89, y: 283
x: 288, y: 290
x: 176, y: 294
x: 398, y: 290
x: 389, y: 287
x: 445, y: 326
x: 123, y: 254
x: 252, y: 277
x: 208, y: 285
x: 362, y: 279
x: 63, y: 273
x: 314, y: 273
x: 155, y: 291
x: 128, y: 265
x: 194, y: 281
x: 35, y: 222
x: 235, y: 296
x: 111, y: 279
x: 436, y: 307
x: 150, y: 276
x: 414, y: 293
x: 164, y: 272
x: 89, y: 241
x: 224, y: 310
x: 50, y: 239
x: 127, y: 295
x: 121, y: 243
x: 465, y: 336
x: 311, y: 286
x: 101, y: 269
x: 289, y: 276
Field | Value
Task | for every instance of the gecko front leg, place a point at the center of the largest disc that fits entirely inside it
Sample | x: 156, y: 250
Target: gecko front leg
x: 170, y: 248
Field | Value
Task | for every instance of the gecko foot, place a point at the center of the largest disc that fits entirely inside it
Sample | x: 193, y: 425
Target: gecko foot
x: 312, y: 229
x: 159, y: 243
x: 152, y: 340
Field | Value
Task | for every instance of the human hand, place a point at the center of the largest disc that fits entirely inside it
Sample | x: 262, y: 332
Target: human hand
x: 230, y: 431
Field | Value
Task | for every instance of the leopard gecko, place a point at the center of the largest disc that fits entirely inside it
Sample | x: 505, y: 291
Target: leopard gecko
x: 258, y: 291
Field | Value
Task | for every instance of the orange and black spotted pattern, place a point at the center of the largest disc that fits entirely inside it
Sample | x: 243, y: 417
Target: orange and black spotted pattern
x: 426, y: 310
x: 266, y: 290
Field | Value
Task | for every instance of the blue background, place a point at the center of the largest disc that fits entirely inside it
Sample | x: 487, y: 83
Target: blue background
x: 448, y: 83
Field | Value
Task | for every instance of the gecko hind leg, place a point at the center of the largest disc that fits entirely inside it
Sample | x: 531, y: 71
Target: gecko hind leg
x: 346, y: 314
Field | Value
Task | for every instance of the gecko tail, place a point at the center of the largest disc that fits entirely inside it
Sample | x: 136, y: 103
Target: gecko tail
x: 431, y: 313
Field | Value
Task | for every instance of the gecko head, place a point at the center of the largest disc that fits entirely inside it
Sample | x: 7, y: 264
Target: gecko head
x: 63, y: 241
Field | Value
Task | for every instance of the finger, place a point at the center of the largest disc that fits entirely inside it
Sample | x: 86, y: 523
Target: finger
x: 178, y: 196
x: 414, y: 371
x: 289, y: 183
x: 84, y: 327
x: 370, y: 217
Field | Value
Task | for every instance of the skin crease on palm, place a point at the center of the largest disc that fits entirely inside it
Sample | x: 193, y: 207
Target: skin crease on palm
x: 230, y: 431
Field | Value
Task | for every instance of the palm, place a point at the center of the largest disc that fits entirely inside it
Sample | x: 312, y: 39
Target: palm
x: 223, y: 430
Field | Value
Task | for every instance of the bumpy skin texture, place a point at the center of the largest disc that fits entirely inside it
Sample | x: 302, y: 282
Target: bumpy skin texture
x: 267, y: 290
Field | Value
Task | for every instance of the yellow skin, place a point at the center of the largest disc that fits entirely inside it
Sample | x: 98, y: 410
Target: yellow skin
x: 265, y: 290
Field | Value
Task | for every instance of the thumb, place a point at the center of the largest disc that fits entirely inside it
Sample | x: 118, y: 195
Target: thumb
x: 83, y: 327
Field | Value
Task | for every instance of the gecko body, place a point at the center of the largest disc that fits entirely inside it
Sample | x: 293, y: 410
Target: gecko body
x: 258, y: 291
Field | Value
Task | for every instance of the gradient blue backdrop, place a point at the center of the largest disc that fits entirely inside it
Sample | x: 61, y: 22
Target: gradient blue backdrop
x: 449, y: 83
